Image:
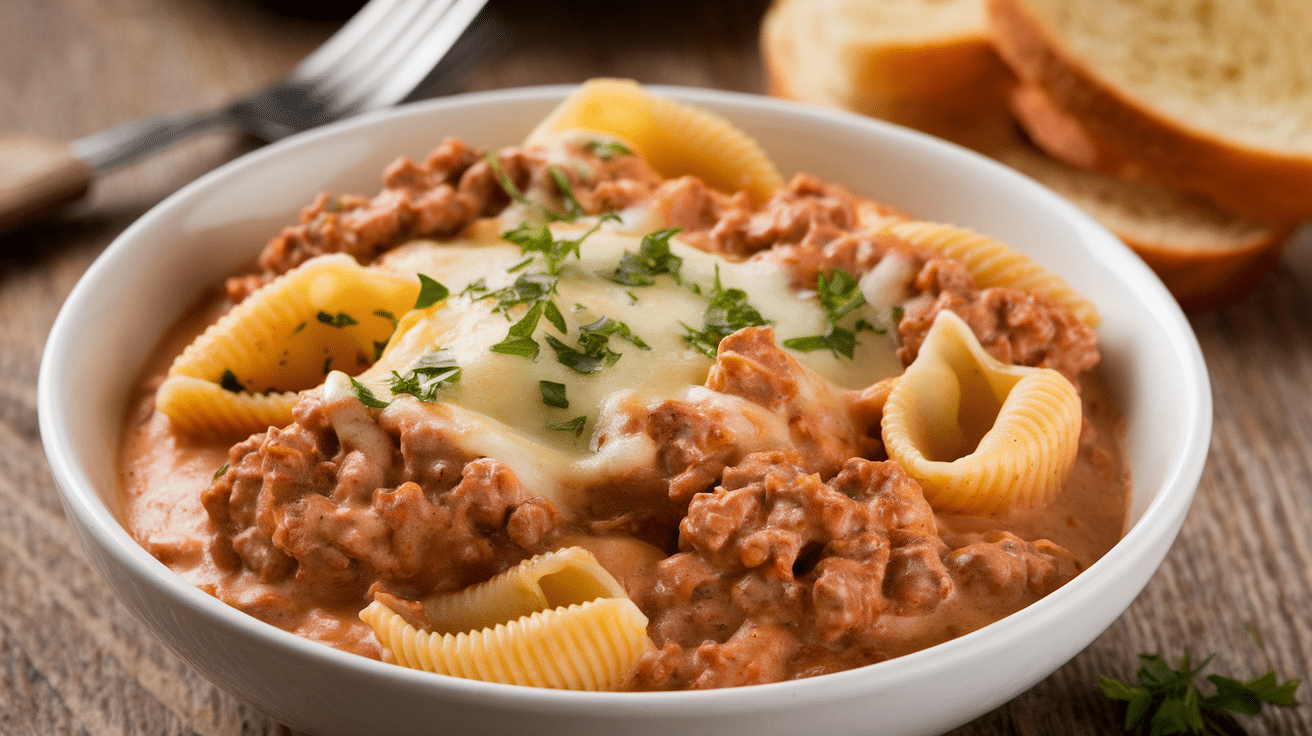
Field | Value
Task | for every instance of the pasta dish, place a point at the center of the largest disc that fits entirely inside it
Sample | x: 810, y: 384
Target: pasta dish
x: 620, y: 407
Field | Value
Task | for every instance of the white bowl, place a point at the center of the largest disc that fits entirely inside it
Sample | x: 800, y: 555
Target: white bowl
x: 145, y: 279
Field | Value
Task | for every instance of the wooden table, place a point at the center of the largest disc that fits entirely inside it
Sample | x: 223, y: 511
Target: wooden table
x: 1237, y: 582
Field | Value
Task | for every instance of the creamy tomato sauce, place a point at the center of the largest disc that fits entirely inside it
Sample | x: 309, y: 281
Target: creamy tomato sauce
x: 743, y: 499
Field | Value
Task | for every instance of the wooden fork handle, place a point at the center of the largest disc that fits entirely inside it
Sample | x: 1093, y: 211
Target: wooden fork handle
x: 36, y: 177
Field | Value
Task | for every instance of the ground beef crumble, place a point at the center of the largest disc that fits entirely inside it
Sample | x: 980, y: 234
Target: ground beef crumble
x: 346, y: 497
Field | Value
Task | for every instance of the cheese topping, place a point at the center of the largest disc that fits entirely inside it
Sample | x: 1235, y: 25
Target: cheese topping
x: 657, y: 364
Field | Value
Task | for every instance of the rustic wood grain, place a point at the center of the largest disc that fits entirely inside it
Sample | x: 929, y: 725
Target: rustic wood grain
x: 72, y: 661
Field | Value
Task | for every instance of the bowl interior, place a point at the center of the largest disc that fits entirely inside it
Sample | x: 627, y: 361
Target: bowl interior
x: 147, y: 278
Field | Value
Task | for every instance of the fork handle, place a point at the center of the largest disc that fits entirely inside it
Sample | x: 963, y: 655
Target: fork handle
x: 37, y: 176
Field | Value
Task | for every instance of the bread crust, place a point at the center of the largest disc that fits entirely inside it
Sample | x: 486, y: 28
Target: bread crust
x: 1139, y: 142
x: 935, y: 83
x: 1205, y: 255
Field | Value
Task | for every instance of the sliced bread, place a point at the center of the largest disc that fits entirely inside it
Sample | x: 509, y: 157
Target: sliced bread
x: 919, y: 63
x: 814, y: 51
x: 1212, y: 97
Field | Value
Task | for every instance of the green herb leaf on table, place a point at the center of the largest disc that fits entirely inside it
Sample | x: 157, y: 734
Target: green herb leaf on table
x: 1166, y: 700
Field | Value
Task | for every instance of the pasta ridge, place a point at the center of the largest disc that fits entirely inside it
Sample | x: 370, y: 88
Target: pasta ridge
x: 1020, y: 460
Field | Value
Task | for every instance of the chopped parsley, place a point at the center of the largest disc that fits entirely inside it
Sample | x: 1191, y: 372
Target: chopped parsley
x: 574, y: 425
x: 539, y: 239
x: 573, y: 209
x: 839, y: 295
x: 596, y: 334
x: 339, y: 320
x: 229, y: 382
x: 519, y: 338
x: 652, y: 259
x: 219, y: 473
x: 366, y: 396
x: 727, y: 313
x: 594, y: 352
x: 508, y: 185
x: 579, y: 361
x: 430, y: 292
x: 432, y: 372
x: 553, y: 394
x: 607, y: 150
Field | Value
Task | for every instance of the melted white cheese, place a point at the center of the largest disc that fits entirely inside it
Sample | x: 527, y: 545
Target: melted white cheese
x: 498, y: 401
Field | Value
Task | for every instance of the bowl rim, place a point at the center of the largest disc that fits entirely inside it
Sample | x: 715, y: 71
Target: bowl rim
x: 1164, y: 513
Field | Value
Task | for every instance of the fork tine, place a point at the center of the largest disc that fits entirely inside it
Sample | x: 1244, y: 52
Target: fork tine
x: 436, y: 45
x: 362, y: 54
x: 352, y: 88
x: 343, y: 44
x: 410, y: 58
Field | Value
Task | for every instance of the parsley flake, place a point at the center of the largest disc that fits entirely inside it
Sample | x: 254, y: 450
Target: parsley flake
x: 727, y: 313
x: 580, y: 361
x: 553, y: 394
x: 339, y: 320
x: 430, y: 292
x: 433, y: 371
x: 219, y: 473
x: 229, y: 382
x: 607, y: 150
x: 840, y: 295
x: 366, y: 396
x: 652, y: 259
x: 573, y: 209
x: 574, y: 425
x: 519, y: 338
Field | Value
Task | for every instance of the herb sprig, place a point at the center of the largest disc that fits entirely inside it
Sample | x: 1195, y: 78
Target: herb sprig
x: 652, y: 259
x: 727, y: 312
x: 433, y: 371
x: 573, y: 208
x: 840, y: 295
x: 1166, y: 700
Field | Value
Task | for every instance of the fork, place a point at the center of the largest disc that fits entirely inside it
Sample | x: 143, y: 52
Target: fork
x: 387, y: 51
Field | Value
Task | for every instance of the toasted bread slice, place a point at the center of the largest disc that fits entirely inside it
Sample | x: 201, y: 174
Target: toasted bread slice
x: 826, y: 53
x: 1211, y: 97
x: 923, y: 64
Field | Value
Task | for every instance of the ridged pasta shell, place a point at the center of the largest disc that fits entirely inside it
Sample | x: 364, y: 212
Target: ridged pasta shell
x: 675, y: 138
x: 328, y: 313
x: 993, y: 263
x: 587, y: 646
x: 557, y: 620
x: 979, y: 435
x: 560, y: 578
